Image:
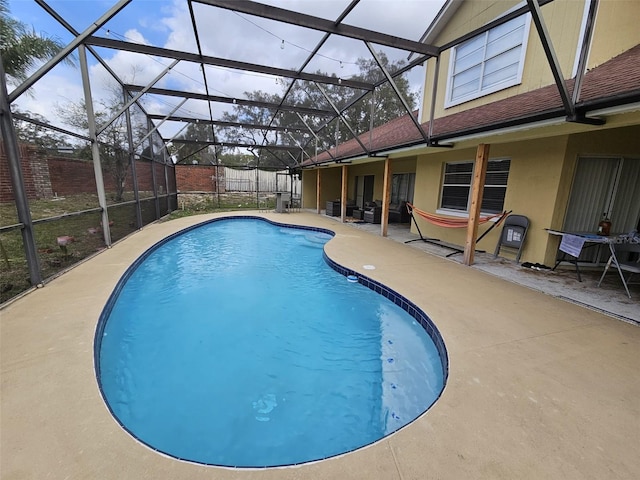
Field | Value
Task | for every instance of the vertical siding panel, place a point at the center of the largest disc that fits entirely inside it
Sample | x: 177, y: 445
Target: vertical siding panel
x: 626, y: 209
x: 590, y: 193
x: 238, y: 180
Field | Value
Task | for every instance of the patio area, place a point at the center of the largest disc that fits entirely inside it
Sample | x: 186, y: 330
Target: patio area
x: 538, y: 387
x: 610, y: 298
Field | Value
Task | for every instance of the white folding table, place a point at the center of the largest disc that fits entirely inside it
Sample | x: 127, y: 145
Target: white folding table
x: 572, y: 244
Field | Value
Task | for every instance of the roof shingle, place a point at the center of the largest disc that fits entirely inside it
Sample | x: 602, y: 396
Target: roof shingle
x: 615, y: 81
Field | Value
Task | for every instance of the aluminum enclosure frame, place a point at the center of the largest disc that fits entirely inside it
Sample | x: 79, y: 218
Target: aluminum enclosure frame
x: 89, y: 41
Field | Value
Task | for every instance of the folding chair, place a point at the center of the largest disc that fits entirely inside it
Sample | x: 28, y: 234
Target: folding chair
x: 622, y: 258
x: 514, y: 231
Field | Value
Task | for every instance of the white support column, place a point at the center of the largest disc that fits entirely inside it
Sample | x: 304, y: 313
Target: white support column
x: 95, y: 151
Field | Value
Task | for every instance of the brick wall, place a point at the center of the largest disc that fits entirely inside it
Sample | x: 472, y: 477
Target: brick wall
x: 6, y: 190
x: 66, y: 176
x: 69, y: 176
x: 144, y: 175
x: 198, y: 178
x: 40, y: 172
x: 46, y: 176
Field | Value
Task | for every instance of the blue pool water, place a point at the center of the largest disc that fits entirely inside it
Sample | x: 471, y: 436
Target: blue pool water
x: 236, y: 344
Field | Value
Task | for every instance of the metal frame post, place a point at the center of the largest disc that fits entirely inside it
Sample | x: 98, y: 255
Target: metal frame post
x: 95, y: 151
x: 132, y: 160
x: 434, y: 93
x: 373, y: 112
x: 62, y: 54
x: 166, y: 182
x: 258, y: 187
x: 17, y: 182
x: 340, y: 115
x: 552, y: 58
x: 153, y: 167
x: 584, y: 51
x: 131, y: 100
x: 396, y: 90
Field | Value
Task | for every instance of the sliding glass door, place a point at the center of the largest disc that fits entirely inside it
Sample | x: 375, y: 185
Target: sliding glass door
x: 604, y: 187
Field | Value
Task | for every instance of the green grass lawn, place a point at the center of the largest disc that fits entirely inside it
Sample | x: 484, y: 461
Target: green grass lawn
x: 86, y: 231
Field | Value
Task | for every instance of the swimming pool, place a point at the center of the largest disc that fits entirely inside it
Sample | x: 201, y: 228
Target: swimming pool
x: 234, y: 343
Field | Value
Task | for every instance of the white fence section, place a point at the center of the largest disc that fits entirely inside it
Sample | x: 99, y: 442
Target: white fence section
x: 237, y: 180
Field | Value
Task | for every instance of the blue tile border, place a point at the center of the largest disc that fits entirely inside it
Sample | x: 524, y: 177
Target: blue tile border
x: 404, y: 303
x: 407, y: 305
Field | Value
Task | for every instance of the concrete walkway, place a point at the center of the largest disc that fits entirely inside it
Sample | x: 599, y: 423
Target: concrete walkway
x: 538, y: 388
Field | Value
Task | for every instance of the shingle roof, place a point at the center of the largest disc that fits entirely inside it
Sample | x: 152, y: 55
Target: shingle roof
x: 616, y: 82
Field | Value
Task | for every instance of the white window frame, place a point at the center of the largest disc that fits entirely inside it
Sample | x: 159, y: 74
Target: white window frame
x: 448, y: 102
x: 465, y: 213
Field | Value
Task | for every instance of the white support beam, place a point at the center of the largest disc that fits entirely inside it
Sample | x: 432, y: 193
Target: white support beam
x: 95, y: 151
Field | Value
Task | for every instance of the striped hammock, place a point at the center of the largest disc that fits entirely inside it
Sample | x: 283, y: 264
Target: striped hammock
x: 450, y: 222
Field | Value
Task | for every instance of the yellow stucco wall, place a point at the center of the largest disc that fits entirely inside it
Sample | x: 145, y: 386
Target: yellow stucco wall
x: 542, y: 168
x: 309, y: 188
x: 404, y: 165
x: 616, y: 30
x: 331, y: 180
x: 329, y: 187
x: 563, y: 20
x: 473, y: 14
x: 539, y: 185
x: 540, y: 180
x: 374, y: 168
x: 535, y: 174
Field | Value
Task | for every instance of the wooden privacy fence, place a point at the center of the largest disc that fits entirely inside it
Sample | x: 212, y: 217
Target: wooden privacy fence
x: 245, y: 180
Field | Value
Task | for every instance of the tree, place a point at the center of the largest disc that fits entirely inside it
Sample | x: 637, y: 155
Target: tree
x: 37, y: 133
x: 113, y: 141
x: 229, y: 155
x: 303, y: 93
x: 21, y: 47
x: 195, y: 153
x: 258, y: 116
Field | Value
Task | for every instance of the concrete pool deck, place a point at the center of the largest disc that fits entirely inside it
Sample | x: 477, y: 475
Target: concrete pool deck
x: 538, y: 388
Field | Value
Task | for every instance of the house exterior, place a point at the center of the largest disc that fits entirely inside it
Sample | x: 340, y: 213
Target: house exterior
x: 547, y: 102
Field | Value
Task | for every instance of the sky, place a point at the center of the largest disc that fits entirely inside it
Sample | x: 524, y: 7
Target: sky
x: 222, y: 33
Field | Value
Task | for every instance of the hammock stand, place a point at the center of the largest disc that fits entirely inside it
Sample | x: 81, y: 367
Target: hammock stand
x: 450, y: 222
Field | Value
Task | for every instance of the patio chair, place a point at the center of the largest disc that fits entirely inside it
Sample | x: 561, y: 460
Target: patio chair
x: 398, y: 213
x: 358, y: 213
x: 514, y: 231
x: 334, y: 208
x: 373, y: 215
x: 622, y: 257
